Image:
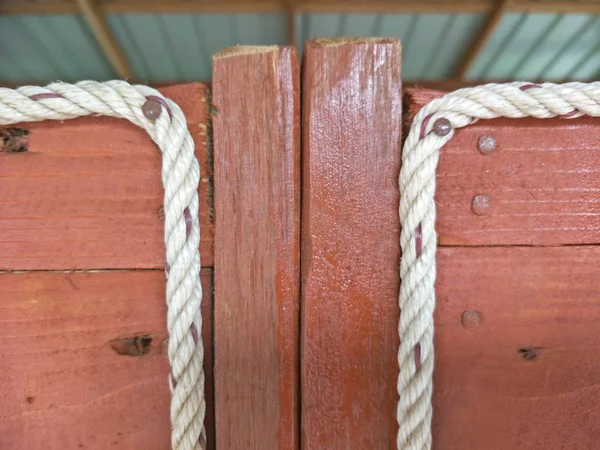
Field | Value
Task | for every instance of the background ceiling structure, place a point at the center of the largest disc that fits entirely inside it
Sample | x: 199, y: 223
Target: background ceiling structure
x: 161, y: 41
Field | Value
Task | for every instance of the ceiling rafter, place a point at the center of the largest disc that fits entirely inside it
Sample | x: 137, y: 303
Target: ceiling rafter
x: 107, y: 42
x: 303, y: 6
x: 291, y: 21
x: 483, y: 36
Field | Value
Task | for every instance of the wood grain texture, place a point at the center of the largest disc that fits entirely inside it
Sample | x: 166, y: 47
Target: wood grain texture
x: 63, y: 385
x: 527, y: 377
x: 351, y: 157
x: 542, y: 181
x: 257, y: 188
x: 87, y: 194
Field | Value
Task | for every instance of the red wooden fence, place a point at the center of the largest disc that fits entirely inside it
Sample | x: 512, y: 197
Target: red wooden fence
x: 305, y: 317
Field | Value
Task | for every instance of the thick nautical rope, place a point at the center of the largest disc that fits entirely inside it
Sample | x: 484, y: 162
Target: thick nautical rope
x: 164, y: 121
x: 433, y: 126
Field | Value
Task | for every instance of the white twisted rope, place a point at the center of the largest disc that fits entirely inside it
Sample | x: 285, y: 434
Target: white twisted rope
x: 180, y: 176
x: 433, y: 126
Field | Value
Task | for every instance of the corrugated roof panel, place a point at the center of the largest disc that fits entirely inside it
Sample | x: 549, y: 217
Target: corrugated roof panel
x: 321, y: 25
x: 556, y: 39
x: 147, y: 34
x: 261, y: 29
x: 567, y: 62
x: 429, y: 40
x: 187, y: 53
x: 214, y: 34
x: 421, y: 45
x: 129, y: 44
x: 50, y: 47
x: 421, y: 42
x: 590, y: 69
x: 499, y: 39
x: 163, y: 47
x: 179, y: 47
x: 462, y: 28
x: 519, y: 44
x: 299, y: 30
x: 398, y: 26
x: 362, y: 25
x: 9, y: 60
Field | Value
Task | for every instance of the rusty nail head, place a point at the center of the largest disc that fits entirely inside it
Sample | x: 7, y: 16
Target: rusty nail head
x: 486, y: 144
x: 471, y: 319
x: 442, y: 126
x: 481, y: 205
x: 151, y: 109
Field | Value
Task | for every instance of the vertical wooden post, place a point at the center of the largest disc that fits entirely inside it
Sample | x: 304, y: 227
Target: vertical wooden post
x: 350, y: 253
x: 257, y: 234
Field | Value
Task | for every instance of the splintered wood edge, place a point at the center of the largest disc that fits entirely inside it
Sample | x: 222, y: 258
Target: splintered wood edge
x: 333, y: 42
x: 245, y: 50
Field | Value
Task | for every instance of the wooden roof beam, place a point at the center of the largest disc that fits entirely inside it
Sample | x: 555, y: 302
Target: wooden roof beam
x: 485, y: 33
x: 302, y: 6
x: 291, y: 20
x: 110, y: 46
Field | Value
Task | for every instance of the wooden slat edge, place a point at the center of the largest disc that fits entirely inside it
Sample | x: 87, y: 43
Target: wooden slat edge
x: 352, y: 113
x: 257, y: 187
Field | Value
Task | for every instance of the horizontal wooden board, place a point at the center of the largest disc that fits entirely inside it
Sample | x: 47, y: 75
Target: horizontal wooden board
x: 66, y: 378
x: 542, y: 181
x: 528, y: 376
x: 87, y: 194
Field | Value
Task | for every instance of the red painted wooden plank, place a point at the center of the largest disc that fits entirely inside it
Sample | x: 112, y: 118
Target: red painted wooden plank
x: 527, y: 377
x: 87, y: 194
x: 542, y: 180
x: 66, y: 380
x: 257, y: 188
x: 351, y: 156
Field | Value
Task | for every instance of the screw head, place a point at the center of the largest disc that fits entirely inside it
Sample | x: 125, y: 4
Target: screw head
x: 442, y: 126
x: 471, y: 319
x: 486, y: 144
x: 481, y: 205
x: 151, y: 109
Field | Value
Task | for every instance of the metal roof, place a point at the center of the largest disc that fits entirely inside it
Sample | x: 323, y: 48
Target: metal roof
x: 175, y: 47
